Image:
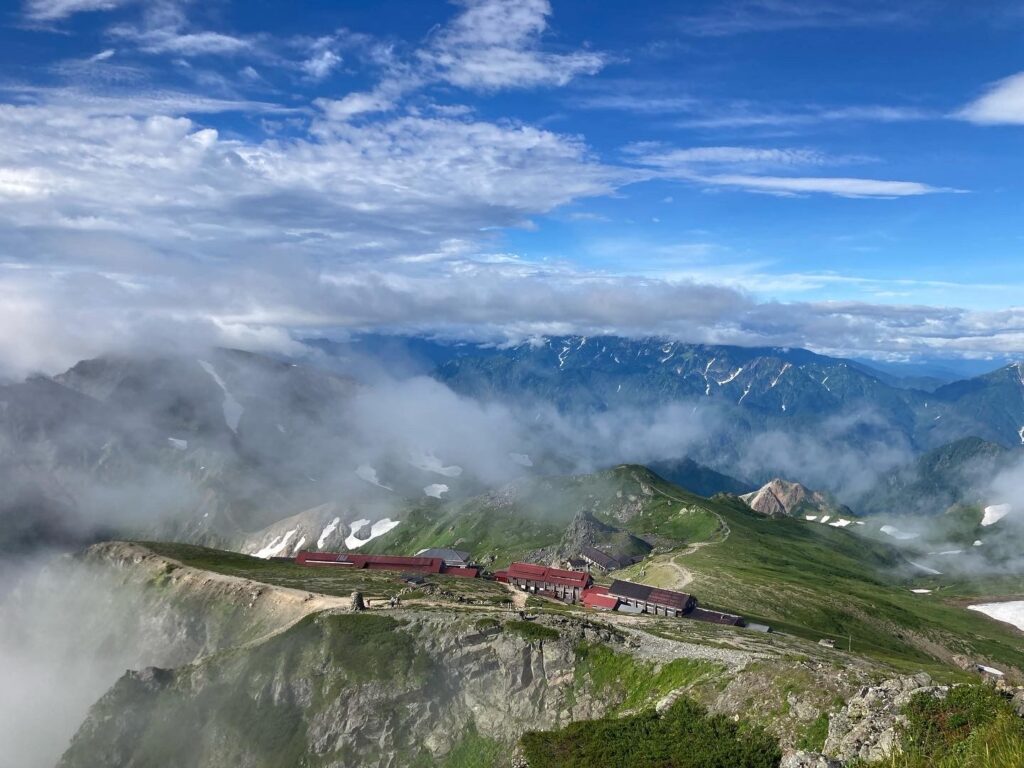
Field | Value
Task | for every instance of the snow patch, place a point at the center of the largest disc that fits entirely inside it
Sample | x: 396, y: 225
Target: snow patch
x: 277, y: 546
x: 995, y: 513
x: 991, y: 670
x: 842, y: 522
x: 435, y: 490
x: 921, y: 591
x: 925, y: 568
x: 825, y: 518
x: 812, y: 518
x: 177, y: 444
x: 330, y: 528
x: 896, y: 533
x: 233, y: 409
x: 298, y: 545
x: 377, y: 529
x: 1011, y: 612
x: 977, y: 543
x: 775, y: 381
x: 731, y: 377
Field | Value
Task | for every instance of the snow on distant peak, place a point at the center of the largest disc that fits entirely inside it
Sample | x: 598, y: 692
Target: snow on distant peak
x: 369, y: 474
x: 522, y: 459
x: 378, y: 528
x: 995, y: 513
x: 435, y: 490
x: 178, y: 444
x: 428, y: 462
x: 731, y: 377
x: 233, y: 409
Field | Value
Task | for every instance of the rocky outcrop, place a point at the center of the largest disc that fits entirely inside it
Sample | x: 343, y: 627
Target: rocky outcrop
x: 781, y: 498
x: 867, y: 728
x: 802, y: 759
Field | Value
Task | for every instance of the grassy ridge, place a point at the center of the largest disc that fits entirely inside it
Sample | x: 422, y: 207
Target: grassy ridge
x: 814, y: 581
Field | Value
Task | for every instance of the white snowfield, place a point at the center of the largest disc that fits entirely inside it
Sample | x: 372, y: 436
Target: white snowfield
x: 330, y: 528
x: 376, y: 529
x: 977, y: 543
x: 896, y: 533
x: 995, y: 513
x: 925, y: 568
x: 921, y: 591
x: 178, y: 444
x: 1011, y: 612
x: 277, y: 546
x: 233, y: 409
x: 991, y: 670
x: 435, y: 490
x: 841, y: 523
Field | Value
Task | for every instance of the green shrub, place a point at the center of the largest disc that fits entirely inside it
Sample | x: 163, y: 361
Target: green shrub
x: 531, y: 631
x: 685, y: 736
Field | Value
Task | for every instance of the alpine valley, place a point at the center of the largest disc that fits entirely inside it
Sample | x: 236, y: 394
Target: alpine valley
x: 865, y: 532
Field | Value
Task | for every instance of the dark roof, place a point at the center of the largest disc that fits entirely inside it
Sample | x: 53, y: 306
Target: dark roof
x: 450, y: 556
x: 646, y: 594
x: 716, y: 617
x: 534, y: 572
x: 603, y: 559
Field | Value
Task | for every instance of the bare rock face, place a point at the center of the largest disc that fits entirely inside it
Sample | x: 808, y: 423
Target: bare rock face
x: 781, y: 498
x: 867, y: 728
x: 357, y: 602
x: 802, y: 759
x: 766, y: 501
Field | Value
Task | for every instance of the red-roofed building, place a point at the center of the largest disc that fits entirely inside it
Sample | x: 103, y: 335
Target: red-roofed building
x: 565, y: 585
x: 599, y: 599
x: 386, y: 563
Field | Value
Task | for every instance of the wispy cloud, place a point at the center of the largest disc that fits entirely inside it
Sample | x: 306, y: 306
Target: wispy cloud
x: 736, y: 17
x: 746, y: 168
x: 54, y: 10
x: 1001, y: 104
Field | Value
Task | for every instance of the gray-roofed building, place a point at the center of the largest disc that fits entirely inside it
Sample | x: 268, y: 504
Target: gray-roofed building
x: 662, y: 602
x: 600, y: 559
x: 453, y: 558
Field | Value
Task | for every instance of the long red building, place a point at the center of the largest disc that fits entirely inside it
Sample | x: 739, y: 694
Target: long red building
x: 565, y: 585
x: 384, y: 563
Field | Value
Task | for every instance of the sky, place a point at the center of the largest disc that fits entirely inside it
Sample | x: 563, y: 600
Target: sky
x: 842, y: 176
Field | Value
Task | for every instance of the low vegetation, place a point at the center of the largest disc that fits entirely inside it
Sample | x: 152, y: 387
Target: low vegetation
x: 685, y: 736
x: 531, y: 631
x: 633, y: 682
x: 972, y: 727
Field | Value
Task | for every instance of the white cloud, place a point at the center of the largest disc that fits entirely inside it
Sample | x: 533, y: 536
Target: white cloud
x: 841, y: 187
x: 103, y: 55
x: 1001, y: 104
x: 353, y: 104
x: 323, y: 59
x: 496, y: 44
x: 53, y: 10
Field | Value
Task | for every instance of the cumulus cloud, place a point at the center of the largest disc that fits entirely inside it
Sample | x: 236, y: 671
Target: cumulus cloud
x: 497, y: 44
x: 52, y: 10
x: 1001, y: 104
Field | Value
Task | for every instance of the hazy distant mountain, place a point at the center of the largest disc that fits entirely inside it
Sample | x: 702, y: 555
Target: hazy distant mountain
x: 951, y: 474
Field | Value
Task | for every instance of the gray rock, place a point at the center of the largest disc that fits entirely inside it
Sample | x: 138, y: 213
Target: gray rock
x: 802, y: 759
x: 867, y: 728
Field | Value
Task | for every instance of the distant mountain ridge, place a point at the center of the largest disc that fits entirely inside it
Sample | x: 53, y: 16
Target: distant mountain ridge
x: 764, y: 387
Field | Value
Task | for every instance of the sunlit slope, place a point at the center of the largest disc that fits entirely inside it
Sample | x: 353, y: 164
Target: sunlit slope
x: 532, y: 515
x: 818, y: 581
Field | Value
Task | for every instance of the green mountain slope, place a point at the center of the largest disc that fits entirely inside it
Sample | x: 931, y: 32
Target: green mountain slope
x: 526, y: 517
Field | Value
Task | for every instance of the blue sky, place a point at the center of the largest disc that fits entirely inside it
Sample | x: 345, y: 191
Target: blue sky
x: 837, y: 175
